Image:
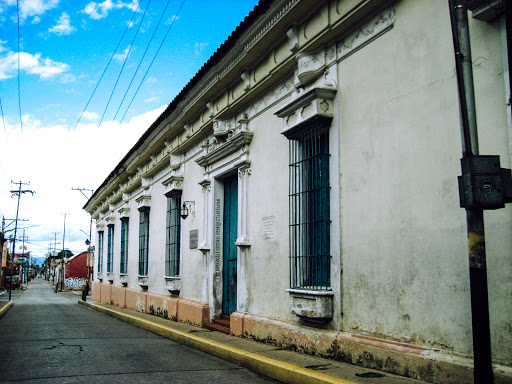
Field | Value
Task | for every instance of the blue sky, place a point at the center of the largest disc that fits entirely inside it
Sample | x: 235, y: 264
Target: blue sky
x: 65, y: 46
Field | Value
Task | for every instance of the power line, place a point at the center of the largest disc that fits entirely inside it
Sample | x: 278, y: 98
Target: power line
x: 3, y: 119
x: 143, y: 56
x: 125, y: 59
x: 152, y: 61
x: 19, y: 82
x: 109, y: 61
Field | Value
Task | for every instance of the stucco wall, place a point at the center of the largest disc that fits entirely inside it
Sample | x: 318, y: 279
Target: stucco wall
x: 405, y: 264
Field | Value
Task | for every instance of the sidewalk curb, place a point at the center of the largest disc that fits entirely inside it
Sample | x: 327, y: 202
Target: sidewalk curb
x: 285, y: 372
x: 5, y: 308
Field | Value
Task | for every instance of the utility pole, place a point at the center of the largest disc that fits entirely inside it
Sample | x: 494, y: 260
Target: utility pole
x: 482, y: 186
x: 63, y: 254
x: 18, y: 193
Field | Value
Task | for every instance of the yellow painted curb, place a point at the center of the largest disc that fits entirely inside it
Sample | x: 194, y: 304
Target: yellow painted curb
x: 5, y: 308
x: 275, y: 369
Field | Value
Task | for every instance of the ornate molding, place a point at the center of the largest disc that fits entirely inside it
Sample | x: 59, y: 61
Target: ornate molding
x: 217, y: 150
x: 173, y: 183
x: 293, y: 36
x: 143, y: 201
x: 315, y: 103
x: 311, y: 65
x: 368, y: 32
x: 124, y: 212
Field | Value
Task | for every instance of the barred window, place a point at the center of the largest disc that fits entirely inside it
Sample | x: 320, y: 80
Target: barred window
x: 110, y: 247
x: 123, y: 265
x: 173, y: 229
x: 100, y: 251
x: 143, y: 241
x: 309, y: 208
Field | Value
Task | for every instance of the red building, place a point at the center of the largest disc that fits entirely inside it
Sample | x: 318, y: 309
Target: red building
x: 76, y: 271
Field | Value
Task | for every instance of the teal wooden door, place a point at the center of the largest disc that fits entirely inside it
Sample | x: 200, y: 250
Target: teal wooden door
x: 229, y: 254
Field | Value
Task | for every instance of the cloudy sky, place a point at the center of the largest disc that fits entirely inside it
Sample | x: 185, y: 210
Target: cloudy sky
x: 63, y: 128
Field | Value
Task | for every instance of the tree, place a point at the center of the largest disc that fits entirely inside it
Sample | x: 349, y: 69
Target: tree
x: 65, y: 253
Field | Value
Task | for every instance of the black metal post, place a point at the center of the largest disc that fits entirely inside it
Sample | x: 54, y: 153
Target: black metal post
x: 475, y: 217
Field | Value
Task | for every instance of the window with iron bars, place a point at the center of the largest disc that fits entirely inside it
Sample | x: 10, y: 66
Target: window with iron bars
x: 123, y: 265
x: 110, y: 247
x: 143, y: 241
x: 173, y: 232
x: 100, y: 251
x: 309, y: 220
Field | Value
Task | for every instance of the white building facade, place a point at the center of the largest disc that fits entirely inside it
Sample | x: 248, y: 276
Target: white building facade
x: 315, y: 158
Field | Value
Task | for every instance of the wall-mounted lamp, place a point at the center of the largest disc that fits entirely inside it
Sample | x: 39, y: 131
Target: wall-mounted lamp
x: 186, y: 207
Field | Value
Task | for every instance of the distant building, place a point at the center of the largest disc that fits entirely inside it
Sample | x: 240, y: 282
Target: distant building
x: 75, y: 270
x: 304, y: 184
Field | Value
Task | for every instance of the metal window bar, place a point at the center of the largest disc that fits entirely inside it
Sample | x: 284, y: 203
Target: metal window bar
x: 100, y: 251
x: 110, y: 247
x: 309, y: 224
x: 173, y: 234
x: 123, y: 264
x: 143, y: 242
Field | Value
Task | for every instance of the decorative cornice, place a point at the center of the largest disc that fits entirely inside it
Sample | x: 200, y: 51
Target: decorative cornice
x: 124, y: 212
x: 317, y: 102
x: 173, y: 183
x: 222, y: 149
x: 143, y: 201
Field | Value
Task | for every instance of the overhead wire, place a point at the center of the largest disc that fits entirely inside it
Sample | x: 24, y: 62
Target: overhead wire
x: 3, y: 119
x: 124, y: 63
x: 153, y: 60
x: 19, y: 81
x: 109, y: 61
x: 143, y: 56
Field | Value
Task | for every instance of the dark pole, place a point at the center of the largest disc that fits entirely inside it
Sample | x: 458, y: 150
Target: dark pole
x: 14, y: 240
x: 475, y: 218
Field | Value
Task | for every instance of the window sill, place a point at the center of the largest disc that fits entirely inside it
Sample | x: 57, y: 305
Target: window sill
x: 123, y: 279
x: 173, y: 285
x: 312, y: 307
x: 143, y: 282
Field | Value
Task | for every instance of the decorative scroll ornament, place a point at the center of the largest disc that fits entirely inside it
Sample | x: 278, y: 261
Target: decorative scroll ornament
x: 311, y: 65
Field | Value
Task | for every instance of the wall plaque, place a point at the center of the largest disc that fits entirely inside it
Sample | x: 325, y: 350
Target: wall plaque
x: 194, y: 236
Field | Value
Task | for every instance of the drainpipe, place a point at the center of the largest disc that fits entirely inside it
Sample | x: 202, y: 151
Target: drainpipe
x: 475, y: 218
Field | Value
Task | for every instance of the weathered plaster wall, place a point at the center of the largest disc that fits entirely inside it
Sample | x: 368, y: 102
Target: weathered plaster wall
x: 405, y: 268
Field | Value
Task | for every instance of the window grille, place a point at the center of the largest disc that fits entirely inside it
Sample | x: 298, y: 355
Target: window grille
x: 110, y: 247
x: 123, y: 265
x: 100, y: 251
x: 173, y: 229
x: 309, y: 208
x: 143, y: 242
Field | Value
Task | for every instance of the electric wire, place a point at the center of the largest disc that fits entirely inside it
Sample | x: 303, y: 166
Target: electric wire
x: 19, y: 82
x: 152, y: 61
x: 109, y: 61
x: 124, y: 63
x: 3, y: 119
x: 143, y: 56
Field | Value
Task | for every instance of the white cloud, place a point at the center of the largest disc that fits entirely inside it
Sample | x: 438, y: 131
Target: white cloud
x: 152, y: 99
x: 33, y: 8
x: 31, y: 64
x: 199, y: 48
x: 90, y: 116
x: 171, y: 19
x: 63, y: 26
x: 151, y: 80
x: 100, y: 10
x: 122, y: 56
x: 55, y: 160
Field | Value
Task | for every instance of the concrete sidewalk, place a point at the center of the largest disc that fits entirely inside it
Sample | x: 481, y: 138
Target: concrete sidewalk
x: 268, y: 360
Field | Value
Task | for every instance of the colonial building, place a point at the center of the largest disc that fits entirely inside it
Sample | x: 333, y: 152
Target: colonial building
x: 304, y: 184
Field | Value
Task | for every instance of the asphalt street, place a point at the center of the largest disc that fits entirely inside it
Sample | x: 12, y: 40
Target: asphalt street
x: 47, y: 337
